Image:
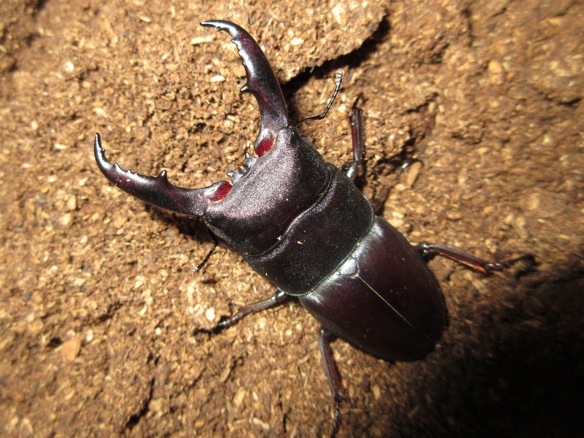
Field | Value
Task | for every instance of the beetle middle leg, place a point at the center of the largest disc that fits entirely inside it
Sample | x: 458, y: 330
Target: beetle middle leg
x: 278, y: 298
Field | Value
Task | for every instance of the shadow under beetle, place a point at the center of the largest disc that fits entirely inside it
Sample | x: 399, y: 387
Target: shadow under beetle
x: 303, y: 225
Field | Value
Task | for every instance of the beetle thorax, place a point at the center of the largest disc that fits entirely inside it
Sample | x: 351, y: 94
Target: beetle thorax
x: 269, y: 193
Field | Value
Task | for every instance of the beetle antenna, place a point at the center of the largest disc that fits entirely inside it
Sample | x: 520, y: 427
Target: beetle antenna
x: 338, y: 80
x: 209, y: 254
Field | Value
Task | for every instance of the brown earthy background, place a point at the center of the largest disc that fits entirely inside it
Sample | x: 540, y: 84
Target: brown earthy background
x: 100, y: 314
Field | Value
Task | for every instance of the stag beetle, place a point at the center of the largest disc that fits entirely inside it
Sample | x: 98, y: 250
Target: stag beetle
x: 303, y: 225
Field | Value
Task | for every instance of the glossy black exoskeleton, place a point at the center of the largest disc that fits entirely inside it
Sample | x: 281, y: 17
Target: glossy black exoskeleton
x: 303, y: 225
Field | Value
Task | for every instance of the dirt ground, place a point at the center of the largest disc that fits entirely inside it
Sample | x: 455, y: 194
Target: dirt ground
x: 101, y: 318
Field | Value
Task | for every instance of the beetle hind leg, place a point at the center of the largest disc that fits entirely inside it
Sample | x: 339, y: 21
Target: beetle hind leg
x: 332, y: 375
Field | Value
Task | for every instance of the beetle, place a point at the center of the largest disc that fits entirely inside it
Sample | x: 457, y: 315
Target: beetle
x: 303, y: 225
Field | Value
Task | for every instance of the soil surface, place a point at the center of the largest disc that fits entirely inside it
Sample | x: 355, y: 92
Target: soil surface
x: 102, y: 322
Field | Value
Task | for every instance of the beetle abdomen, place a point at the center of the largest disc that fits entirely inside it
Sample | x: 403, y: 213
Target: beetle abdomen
x: 406, y: 313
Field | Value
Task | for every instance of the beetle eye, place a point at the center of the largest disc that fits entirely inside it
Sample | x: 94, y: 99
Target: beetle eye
x: 240, y: 172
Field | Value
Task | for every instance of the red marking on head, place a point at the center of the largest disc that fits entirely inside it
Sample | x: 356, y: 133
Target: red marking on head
x: 221, y: 192
x: 264, y: 146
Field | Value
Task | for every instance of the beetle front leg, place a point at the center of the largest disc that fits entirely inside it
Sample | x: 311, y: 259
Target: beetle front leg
x: 478, y: 264
x: 332, y: 375
x: 278, y: 298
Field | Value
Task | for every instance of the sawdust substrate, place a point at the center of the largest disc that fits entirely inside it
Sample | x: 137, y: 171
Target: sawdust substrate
x: 101, y: 317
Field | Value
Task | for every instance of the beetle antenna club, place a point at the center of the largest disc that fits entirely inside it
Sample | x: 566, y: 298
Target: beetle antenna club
x: 305, y: 227
x: 338, y: 81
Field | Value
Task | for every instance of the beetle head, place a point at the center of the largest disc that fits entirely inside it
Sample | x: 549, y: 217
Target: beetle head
x: 263, y: 85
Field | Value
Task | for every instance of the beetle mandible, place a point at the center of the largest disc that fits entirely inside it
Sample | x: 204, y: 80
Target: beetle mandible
x: 303, y: 225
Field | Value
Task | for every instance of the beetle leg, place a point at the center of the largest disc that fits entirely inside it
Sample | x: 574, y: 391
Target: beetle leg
x: 157, y: 190
x: 278, y: 298
x: 478, y: 264
x: 261, y: 82
x: 332, y: 375
x: 351, y: 169
x: 209, y: 254
x: 378, y: 199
